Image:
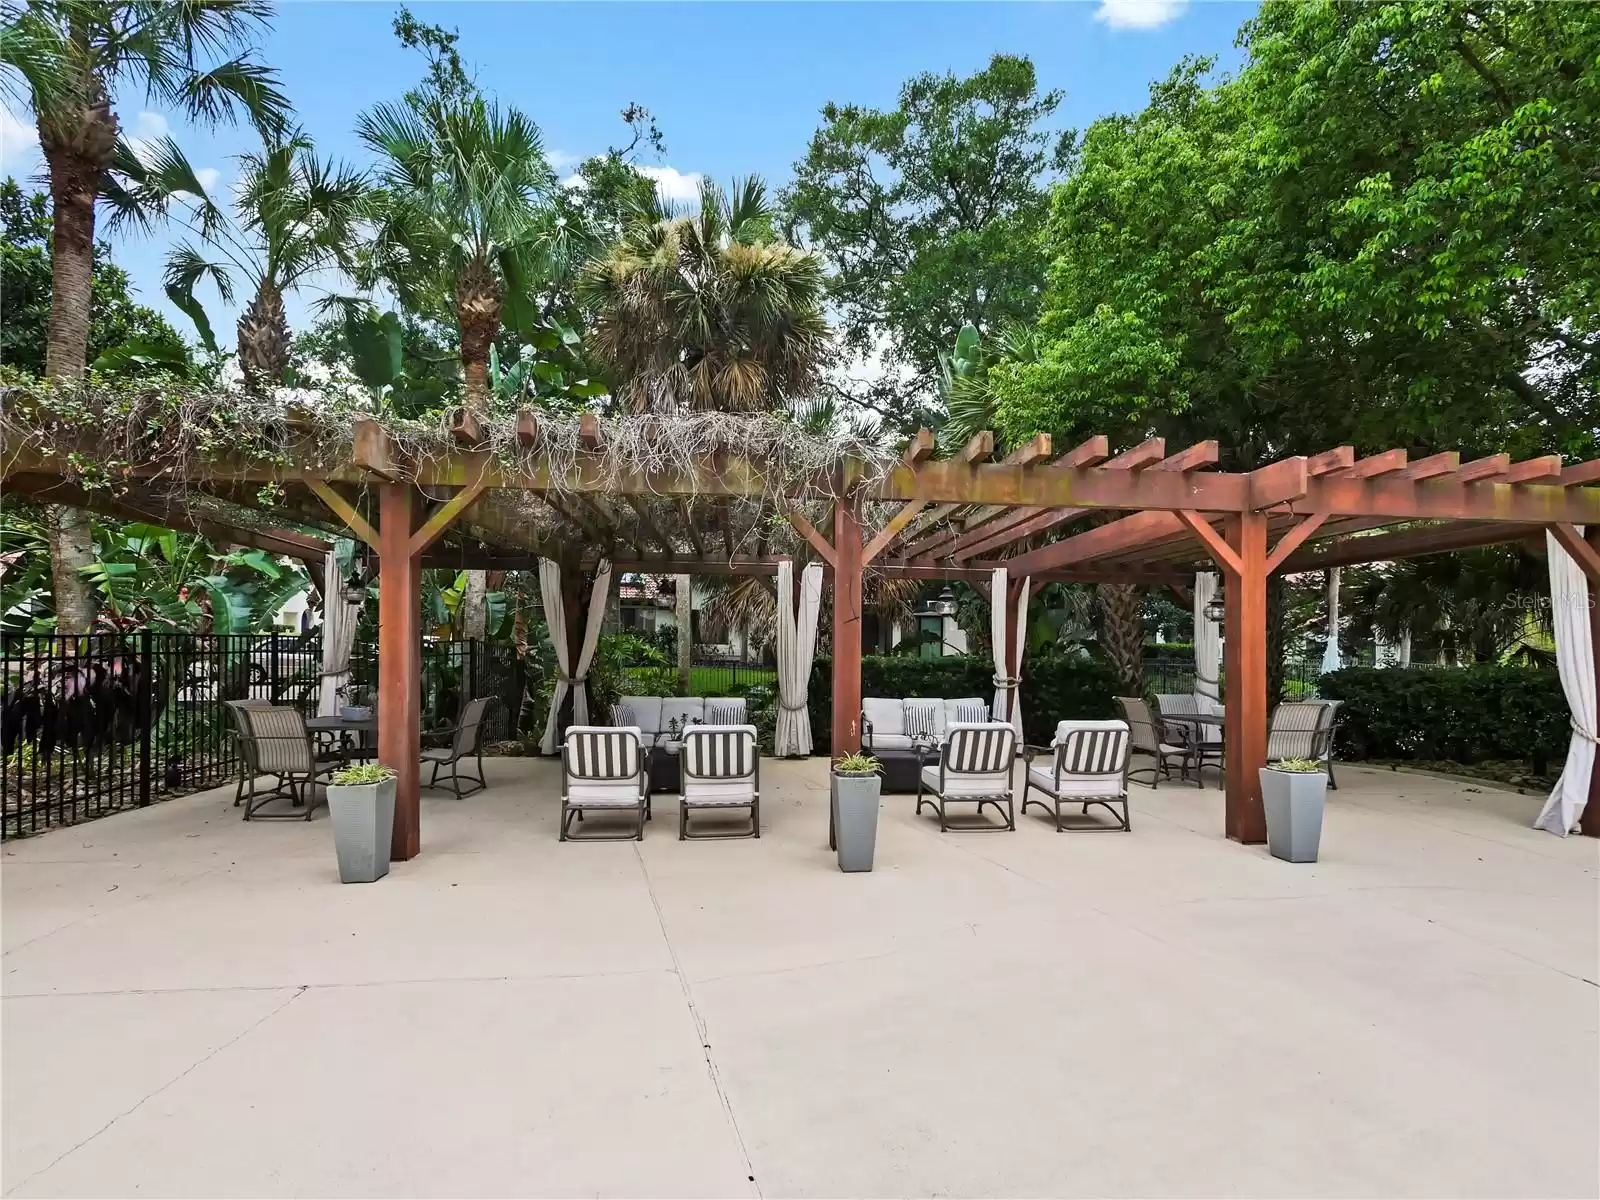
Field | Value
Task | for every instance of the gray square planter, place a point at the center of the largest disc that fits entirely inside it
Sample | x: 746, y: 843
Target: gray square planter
x: 1293, y: 801
x: 855, y: 819
x: 363, y: 824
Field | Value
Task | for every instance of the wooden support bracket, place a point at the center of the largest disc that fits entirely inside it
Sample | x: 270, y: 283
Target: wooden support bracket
x: 344, y: 510
x: 441, y: 517
x: 1586, y: 556
x: 1291, y: 541
x: 1214, y: 542
x: 809, y: 531
x: 892, y: 530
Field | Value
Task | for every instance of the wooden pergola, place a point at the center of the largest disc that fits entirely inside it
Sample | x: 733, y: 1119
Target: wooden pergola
x: 1142, y: 515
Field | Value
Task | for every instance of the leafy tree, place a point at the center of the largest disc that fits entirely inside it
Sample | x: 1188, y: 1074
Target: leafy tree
x: 297, y: 215
x: 464, y: 223
x: 68, y: 60
x: 1334, y: 246
x: 708, y: 311
x: 929, y: 216
x: 116, y: 319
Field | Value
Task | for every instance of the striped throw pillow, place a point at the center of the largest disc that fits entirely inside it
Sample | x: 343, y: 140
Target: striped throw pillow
x: 623, y: 716
x: 724, y: 712
x: 972, y: 712
x: 922, y: 718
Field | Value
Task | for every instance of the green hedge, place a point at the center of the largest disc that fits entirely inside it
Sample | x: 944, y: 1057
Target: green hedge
x: 1458, y: 714
x: 1054, y: 687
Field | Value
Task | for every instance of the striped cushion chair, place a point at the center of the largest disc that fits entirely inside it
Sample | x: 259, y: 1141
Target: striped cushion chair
x: 1089, y: 765
x: 603, y: 768
x: 721, y: 770
x: 974, y: 767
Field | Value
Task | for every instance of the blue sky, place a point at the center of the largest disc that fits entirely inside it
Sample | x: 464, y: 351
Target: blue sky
x: 735, y: 87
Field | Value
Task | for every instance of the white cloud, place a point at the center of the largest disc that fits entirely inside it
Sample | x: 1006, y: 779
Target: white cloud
x: 19, y: 144
x: 559, y: 159
x: 674, y: 185
x: 1139, y: 14
x: 208, y: 177
x: 147, y: 129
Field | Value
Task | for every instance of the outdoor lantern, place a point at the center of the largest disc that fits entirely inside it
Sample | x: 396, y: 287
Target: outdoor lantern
x: 355, y: 585
x: 1216, y: 610
x: 945, y: 605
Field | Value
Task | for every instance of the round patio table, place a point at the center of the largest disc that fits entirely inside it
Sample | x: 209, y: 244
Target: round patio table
x: 356, y: 738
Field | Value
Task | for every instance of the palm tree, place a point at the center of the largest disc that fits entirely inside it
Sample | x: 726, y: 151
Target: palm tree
x: 709, y: 311
x: 463, y: 220
x: 67, y: 60
x: 297, y: 215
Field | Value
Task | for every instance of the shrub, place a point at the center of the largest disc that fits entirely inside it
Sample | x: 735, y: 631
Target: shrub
x: 1458, y: 714
x: 1054, y: 686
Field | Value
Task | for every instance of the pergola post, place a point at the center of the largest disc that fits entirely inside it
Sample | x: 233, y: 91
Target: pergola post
x: 1245, y: 665
x: 846, y: 627
x: 400, y: 662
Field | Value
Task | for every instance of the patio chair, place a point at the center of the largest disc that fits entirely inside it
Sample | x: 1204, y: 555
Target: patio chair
x: 1149, y: 734
x: 244, y: 748
x: 974, y: 767
x: 1089, y: 765
x: 603, y: 768
x: 466, y: 741
x: 1303, y: 729
x: 722, y: 771
x: 280, y: 745
x: 1205, y: 741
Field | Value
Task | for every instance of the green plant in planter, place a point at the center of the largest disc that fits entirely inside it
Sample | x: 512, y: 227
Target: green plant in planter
x: 360, y: 774
x: 1298, y: 766
x: 856, y: 764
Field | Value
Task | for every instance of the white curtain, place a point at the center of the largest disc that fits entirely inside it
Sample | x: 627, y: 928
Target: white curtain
x: 797, y: 646
x: 1007, y: 699
x: 1575, y: 651
x: 1405, y: 647
x: 1330, y: 656
x: 1207, y: 644
x: 338, y: 635
x: 568, y: 679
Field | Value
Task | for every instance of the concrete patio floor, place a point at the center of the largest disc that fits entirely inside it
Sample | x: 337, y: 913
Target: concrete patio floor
x: 193, y: 1006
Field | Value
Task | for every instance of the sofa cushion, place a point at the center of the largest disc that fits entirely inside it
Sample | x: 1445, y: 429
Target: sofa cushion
x: 889, y: 741
x: 684, y: 708
x: 885, y: 716
x: 725, y: 710
x: 646, y: 712
x: 924, y: 718
x: 969, y: 710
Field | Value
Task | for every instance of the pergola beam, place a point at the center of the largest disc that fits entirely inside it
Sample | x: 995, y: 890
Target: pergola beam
x: 344, y: 510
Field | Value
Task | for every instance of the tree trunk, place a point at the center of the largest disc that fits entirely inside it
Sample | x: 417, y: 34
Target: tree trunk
x: 479, y: 298
x: 1122, y: 634
x: 685, y: 617
x: 475, y: 606
x: 77, y: 147
x: 264, y: 338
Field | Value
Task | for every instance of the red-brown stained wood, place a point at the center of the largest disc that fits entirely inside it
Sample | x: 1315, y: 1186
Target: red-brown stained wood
x: 527, y: 427
x: 466, y: 427
x: 1374, y: 465
x: 1495, y: 466
x: 1432, y: 466
x: 846, y: 628
x: 400, y: 663
x: 919, y: 448
x: 589, y: 431
x: 1245, y: 666
x: 1340, y: 458
x: 1534, y: 470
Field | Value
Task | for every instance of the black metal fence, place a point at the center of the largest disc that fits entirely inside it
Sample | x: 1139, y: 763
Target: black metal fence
x: 94, y: 724
x: 707, y: 677
x: 1300, y: 676
x: 101, y: 722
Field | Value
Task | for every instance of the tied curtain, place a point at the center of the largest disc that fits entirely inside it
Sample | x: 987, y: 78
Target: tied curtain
x: 555, y: 616
x: 1207, y: 646
x: 797, y: 646
x: 338, y: 630
x: 1575, y: 651
x: 1007, y: 697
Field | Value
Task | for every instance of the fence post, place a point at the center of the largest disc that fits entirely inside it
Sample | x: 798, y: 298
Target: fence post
x: 272, y: 662
x: 472, y: 671
x: 147, y: 712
